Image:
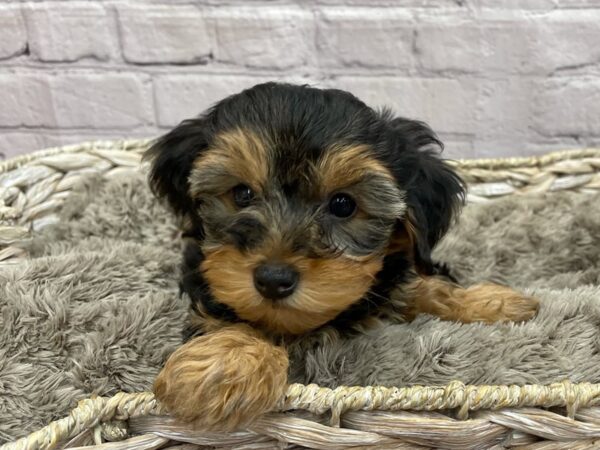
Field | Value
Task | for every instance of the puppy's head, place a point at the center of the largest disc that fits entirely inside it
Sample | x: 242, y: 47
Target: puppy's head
x: 299, y: 197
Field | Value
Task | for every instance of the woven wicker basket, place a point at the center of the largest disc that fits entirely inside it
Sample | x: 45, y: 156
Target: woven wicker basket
x: 33, y: 187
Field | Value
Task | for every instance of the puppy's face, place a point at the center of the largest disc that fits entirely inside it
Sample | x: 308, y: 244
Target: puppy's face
x: 295, y: 198
x: 292, y: 240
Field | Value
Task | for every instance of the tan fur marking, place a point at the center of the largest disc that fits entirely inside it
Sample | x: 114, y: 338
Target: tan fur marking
x: 486, y: 302
x: 326, y: 288
x: 244, y: 153
x: 224, y: 379
x: 403, y: 240
x: 342, y: 166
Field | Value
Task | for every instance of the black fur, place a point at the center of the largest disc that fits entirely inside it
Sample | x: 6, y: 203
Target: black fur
x: 172, y: 157
x: 435, y: 193
x: 194, y: 285
x: 246, y: 232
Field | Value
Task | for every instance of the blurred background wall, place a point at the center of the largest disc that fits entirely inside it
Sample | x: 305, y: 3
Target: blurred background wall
x: 492, y: 77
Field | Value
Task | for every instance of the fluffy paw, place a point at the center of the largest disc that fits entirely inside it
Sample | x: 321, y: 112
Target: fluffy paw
x: 223, y: 380
x: 490, y: 302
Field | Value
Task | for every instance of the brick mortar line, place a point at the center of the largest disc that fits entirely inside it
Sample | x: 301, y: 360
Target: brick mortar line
x: 591, y: 70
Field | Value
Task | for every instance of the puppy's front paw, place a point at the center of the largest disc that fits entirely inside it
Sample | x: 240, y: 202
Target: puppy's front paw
x: 494, y: 303
x: 223, y: 380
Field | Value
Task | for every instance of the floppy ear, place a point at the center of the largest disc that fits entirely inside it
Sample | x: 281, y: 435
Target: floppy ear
x: 435, y: 192
x: 172, y: 157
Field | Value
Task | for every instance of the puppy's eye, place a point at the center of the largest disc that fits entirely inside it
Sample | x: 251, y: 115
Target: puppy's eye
x: 242, y: 195
x: 342, y: 205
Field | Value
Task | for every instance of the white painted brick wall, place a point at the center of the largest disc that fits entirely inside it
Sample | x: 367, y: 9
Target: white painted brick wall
x: 67, y: 32
x: 164, y: 34
x: 13, y: 35
x: 366, y: 37
x: 178, y: 96
x: 277, y: 37
x: 493, y: 77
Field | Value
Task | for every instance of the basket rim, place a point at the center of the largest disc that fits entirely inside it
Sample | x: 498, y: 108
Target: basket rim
x: 117, y: 144
x: 318, y: 400
x: 461, y: 163
x: 545, y: 159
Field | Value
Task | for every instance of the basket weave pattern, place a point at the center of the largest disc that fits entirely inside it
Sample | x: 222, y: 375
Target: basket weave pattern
x: 32, y: 189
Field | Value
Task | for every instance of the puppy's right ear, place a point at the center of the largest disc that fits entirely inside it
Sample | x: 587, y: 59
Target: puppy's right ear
x: 172, y: 157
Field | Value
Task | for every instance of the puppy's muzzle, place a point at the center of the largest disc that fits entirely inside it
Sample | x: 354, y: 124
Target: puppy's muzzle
x: 275, y: 281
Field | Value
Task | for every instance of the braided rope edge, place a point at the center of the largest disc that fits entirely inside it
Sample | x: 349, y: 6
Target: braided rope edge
x: 137, y: 145
x: 318, y: 400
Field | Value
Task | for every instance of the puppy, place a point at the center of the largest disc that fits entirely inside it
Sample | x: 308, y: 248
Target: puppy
x: 302, y: 209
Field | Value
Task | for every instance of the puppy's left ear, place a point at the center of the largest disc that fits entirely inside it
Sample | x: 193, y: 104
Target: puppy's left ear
x: 172, y: 157
x: 434, y: 191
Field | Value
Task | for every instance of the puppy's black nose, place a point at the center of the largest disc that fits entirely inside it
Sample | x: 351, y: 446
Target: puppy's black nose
x: 275, y: 281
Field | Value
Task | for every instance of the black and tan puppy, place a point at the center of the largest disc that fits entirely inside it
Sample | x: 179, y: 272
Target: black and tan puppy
x: 302, y: 209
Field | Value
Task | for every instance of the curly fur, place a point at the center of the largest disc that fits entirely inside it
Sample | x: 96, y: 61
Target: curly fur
x: 292, y: 150
x: 224, y: 378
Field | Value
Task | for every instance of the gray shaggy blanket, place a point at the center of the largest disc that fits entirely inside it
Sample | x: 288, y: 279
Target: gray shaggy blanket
x: 96, y: 309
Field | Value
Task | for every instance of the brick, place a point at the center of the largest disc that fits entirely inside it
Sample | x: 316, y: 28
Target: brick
x: 26, y: 101
x: 519, y: 5
x: 13, y: 144
x: 567, y: 107
x: 509, y: 42
x: 13, y: 35
x: 515, y: 147
x: 180, y: 97
x: 487, y: 147
x: 576, y: 3
x: 445, y: 104
x: 164, y: 34
x: 74, y: 100
x: 106, y: 100
x: 396, y: 3
x: 19, y: 143
x: 455, y: 44
x: 69, y: 31
x: 504, y: 108
x: 369, y: 37
x: 275, y: 37
x: 567, y: 39
x: 540, y: 147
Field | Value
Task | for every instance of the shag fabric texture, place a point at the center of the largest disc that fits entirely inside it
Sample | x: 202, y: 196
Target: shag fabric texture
x: 96, y: 309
